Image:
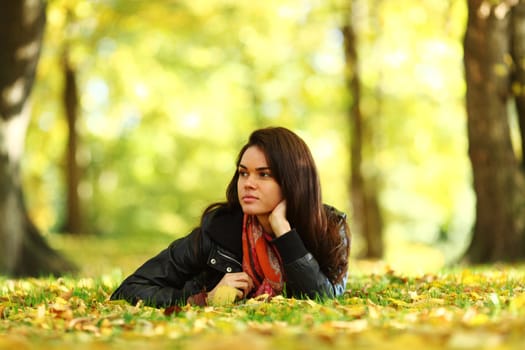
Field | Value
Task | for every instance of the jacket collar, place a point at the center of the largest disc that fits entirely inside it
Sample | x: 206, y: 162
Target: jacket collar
x: 224, y: 226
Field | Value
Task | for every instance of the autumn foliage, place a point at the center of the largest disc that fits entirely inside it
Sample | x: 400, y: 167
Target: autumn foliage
x: 463, y: 309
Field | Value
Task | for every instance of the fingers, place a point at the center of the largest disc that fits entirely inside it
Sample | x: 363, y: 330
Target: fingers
x: 279, y: 210
x: 244, y: 277
x: 239, y: 280
x: 278, y: 221
x: 240, y: 294
x: 242, y: 286
x: 250, y: 281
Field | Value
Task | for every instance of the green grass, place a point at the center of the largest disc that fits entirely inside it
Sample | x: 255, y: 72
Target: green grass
x: 109, y: 255
x: 461, y: 308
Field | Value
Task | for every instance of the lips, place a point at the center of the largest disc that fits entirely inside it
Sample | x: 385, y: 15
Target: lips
x: 249, y: 199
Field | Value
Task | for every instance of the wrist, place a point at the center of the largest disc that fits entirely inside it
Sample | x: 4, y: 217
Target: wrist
x: 281, y: 227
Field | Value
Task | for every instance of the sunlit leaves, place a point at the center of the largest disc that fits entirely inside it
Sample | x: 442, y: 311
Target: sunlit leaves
x: 462, y: 309
x: 169, y: 90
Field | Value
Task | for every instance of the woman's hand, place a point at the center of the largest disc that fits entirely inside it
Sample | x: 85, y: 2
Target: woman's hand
x: 278, y: 221
x: 238, y: 280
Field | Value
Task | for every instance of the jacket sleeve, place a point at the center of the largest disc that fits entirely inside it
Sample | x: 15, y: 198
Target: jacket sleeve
x: 303, y: 273
x: 169, y: 277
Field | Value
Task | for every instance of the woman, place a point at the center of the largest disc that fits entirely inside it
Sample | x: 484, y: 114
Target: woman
x: 272, y: 236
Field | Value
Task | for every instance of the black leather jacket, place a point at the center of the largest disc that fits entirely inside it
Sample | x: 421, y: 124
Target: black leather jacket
x: 197, y: 263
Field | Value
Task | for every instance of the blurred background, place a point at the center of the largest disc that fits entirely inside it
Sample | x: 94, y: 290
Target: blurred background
x: 142, y: 106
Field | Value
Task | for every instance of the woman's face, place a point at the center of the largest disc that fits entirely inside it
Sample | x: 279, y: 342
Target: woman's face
x: 258, y: 191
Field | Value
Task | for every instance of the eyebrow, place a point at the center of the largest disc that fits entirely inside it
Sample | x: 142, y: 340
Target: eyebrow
x: 257, y: 169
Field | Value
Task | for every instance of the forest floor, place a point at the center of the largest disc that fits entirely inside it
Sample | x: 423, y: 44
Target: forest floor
x: 459, y: 308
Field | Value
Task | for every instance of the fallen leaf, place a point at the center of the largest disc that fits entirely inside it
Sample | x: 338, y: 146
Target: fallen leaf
x: 175, y: 309
x: 224, y: 295
x: 350, y: 326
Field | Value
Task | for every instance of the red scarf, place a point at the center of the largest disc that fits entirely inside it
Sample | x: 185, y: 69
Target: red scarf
x: 261, y: 260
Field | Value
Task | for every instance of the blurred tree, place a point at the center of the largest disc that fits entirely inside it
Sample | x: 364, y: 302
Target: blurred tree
x: 364, y: 192
x: 154, y: 87
x: 518, y: 55
x: 494, y: 66
x: 73, y: 214
x: 159, y: 94
x: 23, y: 249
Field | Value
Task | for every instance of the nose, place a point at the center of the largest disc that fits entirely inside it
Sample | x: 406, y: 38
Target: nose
x: 249, y: 182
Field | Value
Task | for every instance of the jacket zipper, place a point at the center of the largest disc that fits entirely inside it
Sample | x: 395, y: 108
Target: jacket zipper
x: 227, y: 257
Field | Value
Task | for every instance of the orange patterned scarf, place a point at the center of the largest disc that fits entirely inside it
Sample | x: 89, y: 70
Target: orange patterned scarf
x: 261, y: 260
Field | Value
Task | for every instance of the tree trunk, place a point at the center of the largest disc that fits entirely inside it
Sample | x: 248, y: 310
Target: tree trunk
x: 73, y: 221
x: 498, y: 181
x: 366, y: 212
x: 23, y: 251
x: 517, y: 50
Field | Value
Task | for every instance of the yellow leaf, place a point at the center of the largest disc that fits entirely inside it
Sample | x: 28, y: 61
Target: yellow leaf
x: 224, y: 295
x: 474, y: 340
x: 400, y: 302
x: 518, y: 302
x: 349, y: 326
x: 474, y: 318
x: 59, y: 305
x: 475, y: 296
x: 262, y: 328
x: 374, y: 310
x: 353, y: 311
x: 312, y: 304
x: 41, y: 311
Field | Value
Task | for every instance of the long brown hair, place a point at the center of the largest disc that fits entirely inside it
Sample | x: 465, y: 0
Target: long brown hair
x: 294, y: 169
